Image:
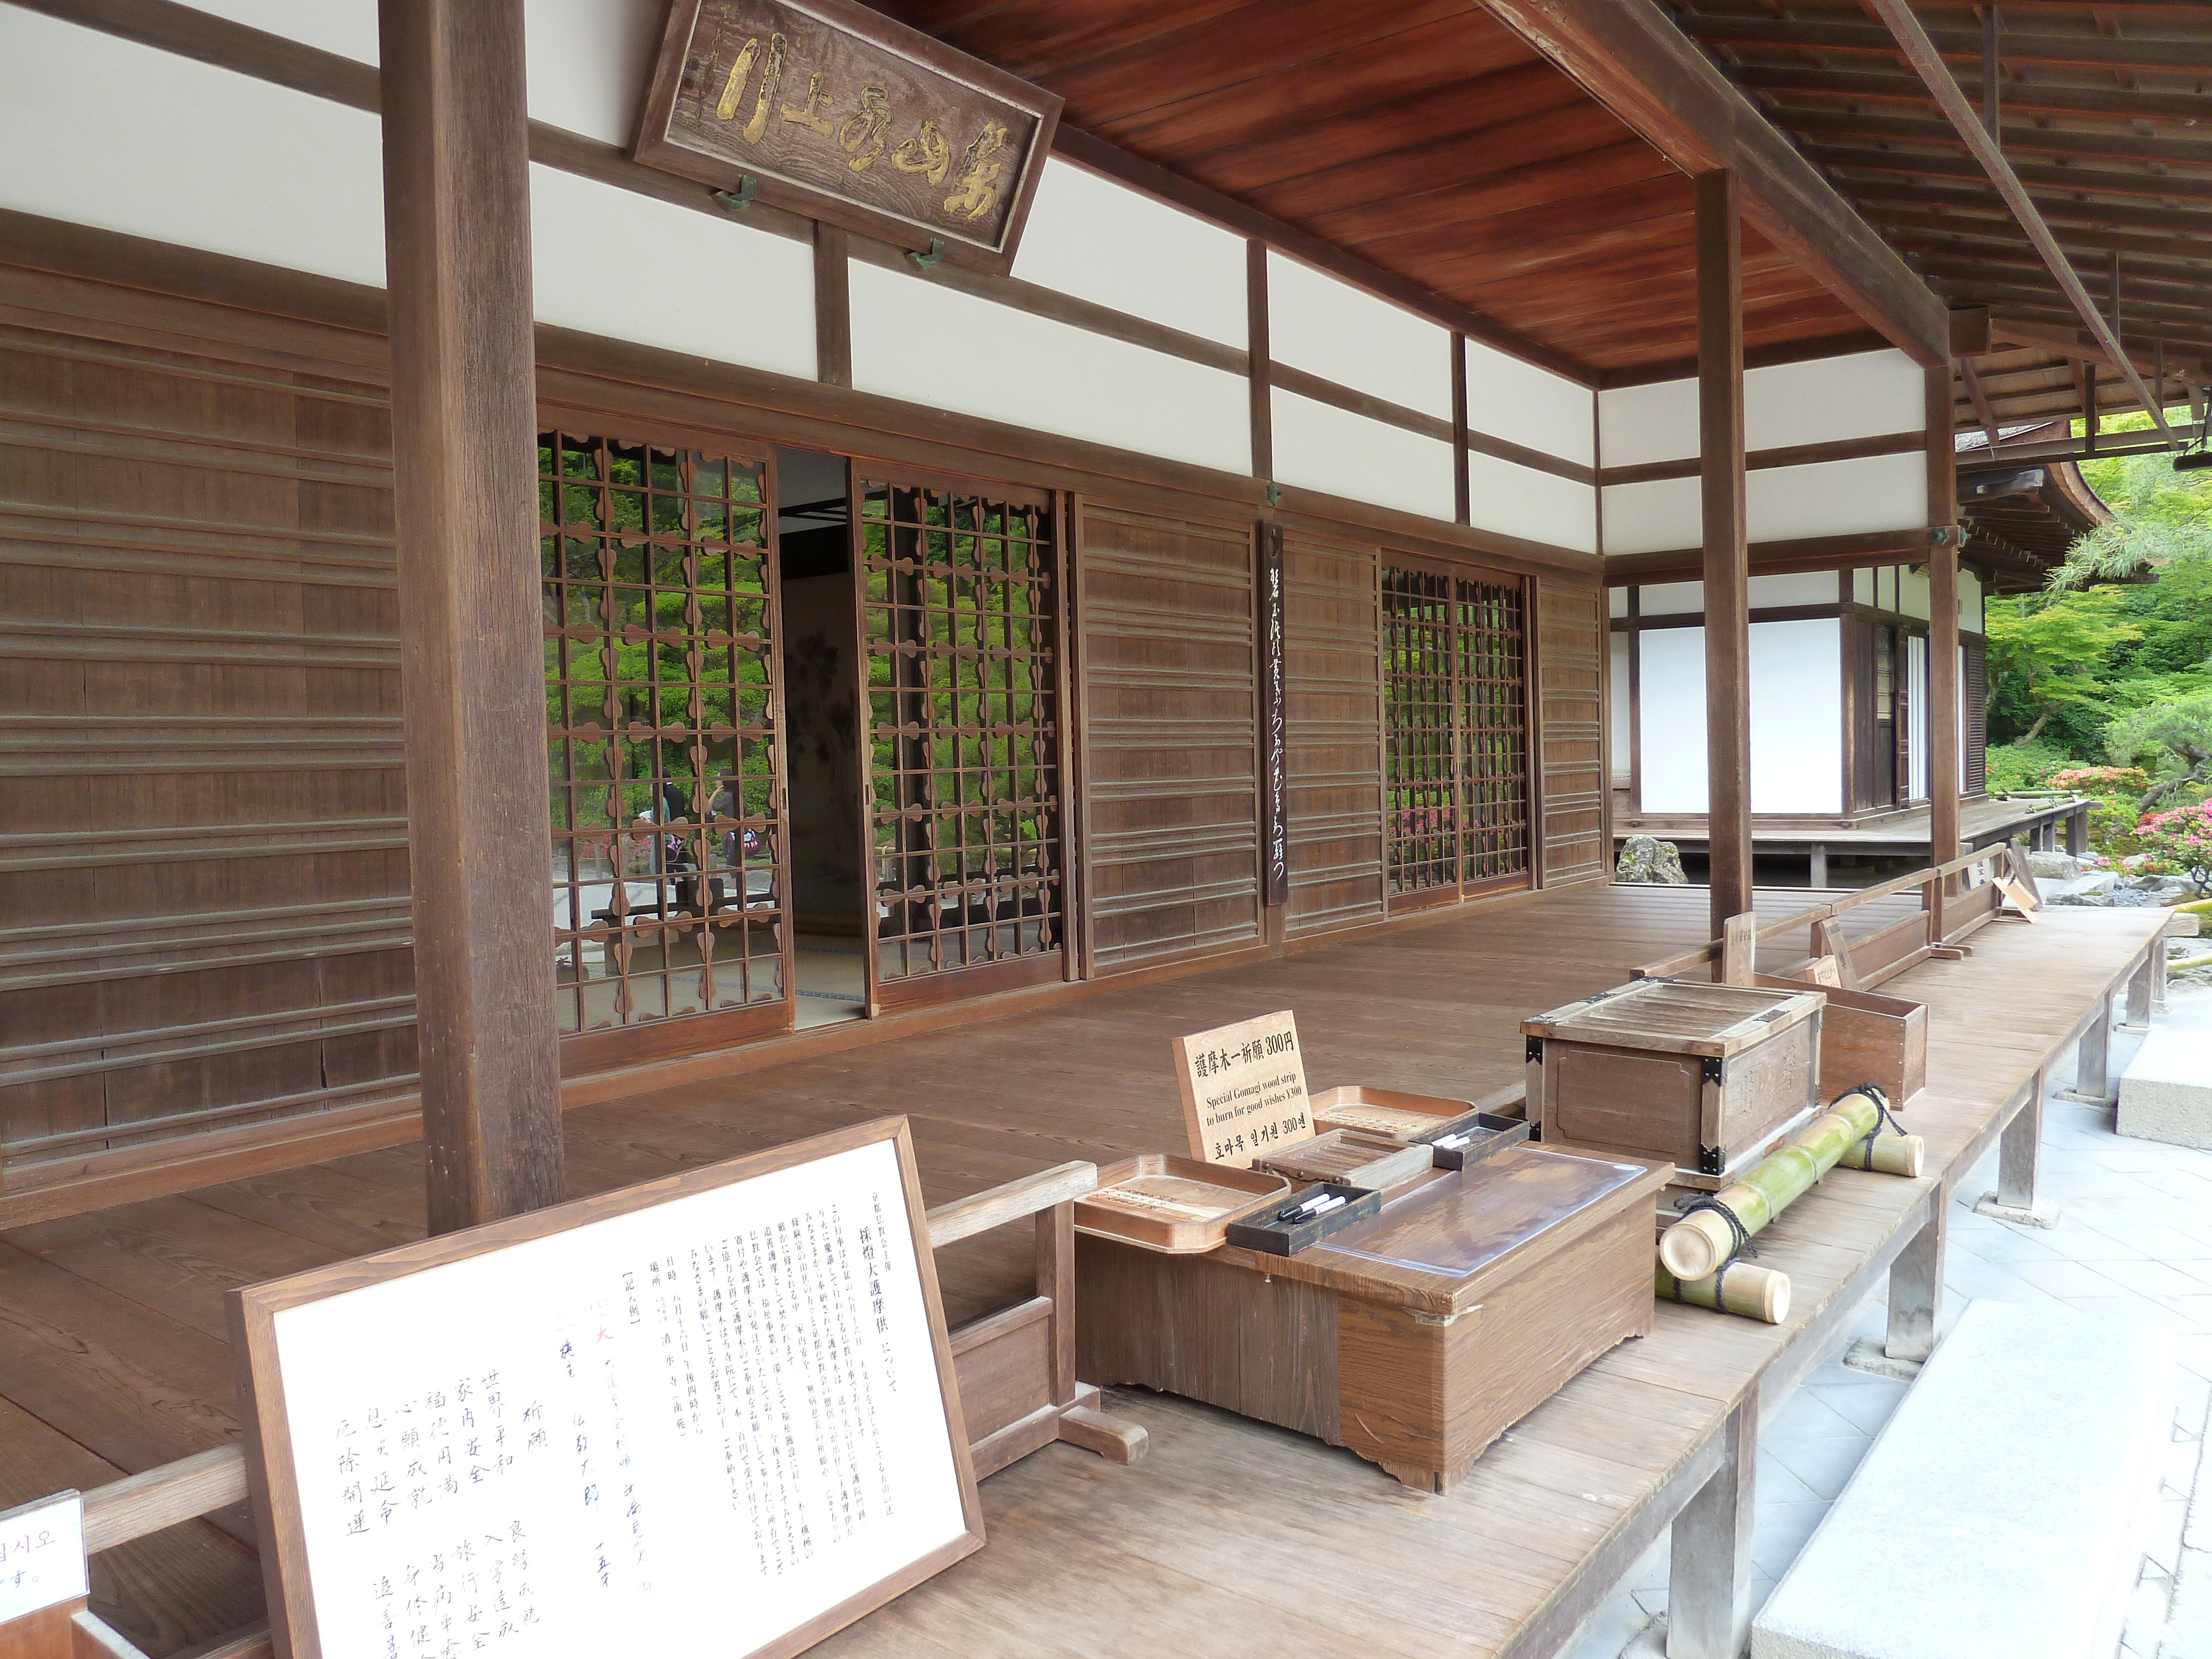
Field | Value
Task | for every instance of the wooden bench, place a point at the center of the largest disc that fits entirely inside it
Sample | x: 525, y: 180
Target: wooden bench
x: 1015, y: 1370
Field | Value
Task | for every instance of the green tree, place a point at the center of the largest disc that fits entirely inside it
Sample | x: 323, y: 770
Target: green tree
x: 2178, y: 732
x: 2055, y: 653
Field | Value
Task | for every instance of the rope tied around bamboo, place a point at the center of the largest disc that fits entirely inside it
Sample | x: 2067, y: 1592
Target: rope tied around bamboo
x: 1710, y: 1236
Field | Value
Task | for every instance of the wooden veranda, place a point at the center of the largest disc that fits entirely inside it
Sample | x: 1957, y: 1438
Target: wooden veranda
x: 116, y: 1360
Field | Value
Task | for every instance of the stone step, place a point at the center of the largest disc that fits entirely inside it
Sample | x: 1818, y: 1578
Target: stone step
x: 2166, y: 1093
x: 2005, y: 1508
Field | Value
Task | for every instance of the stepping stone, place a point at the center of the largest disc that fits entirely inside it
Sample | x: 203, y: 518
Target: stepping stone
x: 2005, y: 1508
x: 2166, y: 1093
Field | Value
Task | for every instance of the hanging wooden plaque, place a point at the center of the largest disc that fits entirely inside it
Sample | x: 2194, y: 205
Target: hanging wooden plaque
x: 836, y: 112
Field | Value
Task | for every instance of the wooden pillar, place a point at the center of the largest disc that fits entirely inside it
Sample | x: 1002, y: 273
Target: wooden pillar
x: 457, y: 240
x: 1915, y: 1289
x: 1726, y: 561
x: 1709, y: 1566
x: 1943, y: 634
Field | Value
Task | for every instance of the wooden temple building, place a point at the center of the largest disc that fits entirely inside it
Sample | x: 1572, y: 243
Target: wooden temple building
x: 527, y: 666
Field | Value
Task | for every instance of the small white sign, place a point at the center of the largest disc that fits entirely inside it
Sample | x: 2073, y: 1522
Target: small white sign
x: 1243, y: 1090
x: 41, y: 1555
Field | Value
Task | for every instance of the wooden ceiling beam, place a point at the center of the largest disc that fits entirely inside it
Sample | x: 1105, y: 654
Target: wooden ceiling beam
x: 2018, y: 136
x: 2137, y: 52
x: 1927, y: 62
x: 1968, y: 264
x: 2029, y: 97
x: 1980, y: 399
x: 1631, y: 56
x: 1888, y: 190
x: 1916, y: 164
x: 2056, y: 331
x: 1914, y: 232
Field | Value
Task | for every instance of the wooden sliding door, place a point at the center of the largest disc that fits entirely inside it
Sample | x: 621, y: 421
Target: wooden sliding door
x: 1331, y: 681
x: 1170, y: 737
x: 1455, y: 731
x: 1571, y: 635
x: 664, y: 711
x: 960, y: 698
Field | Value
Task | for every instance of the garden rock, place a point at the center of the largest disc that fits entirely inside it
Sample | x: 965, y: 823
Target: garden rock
x: 1650, y: 861
x: 2054, y: 866
x: 2120, y: 898
x: 2169, y: 889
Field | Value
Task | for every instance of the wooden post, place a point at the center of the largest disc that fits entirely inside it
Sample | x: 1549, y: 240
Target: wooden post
x: 1709, y: 1562
x: 2020, y: 1149
x: 2142, y: 988
x: 1727, y: 570
x: 1915, y: 1291
x: 464, y: 418
x: 1739, y: 963
x: 1943, y: 640
x: 2092, y: 1062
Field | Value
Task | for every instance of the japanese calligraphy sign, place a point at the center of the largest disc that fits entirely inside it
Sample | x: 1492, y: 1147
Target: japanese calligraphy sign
x: 41, y: 1555
x: 1243, y: 1089
x: 836, y: 112
x: 714, y: 1413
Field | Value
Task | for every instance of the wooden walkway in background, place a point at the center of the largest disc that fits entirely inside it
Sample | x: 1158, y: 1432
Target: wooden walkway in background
x: 1232, y: 1538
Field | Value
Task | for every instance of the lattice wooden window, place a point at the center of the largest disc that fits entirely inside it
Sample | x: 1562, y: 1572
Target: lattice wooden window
x: 959, y: 612
x: 659, y: 596
x: 1456, y: 690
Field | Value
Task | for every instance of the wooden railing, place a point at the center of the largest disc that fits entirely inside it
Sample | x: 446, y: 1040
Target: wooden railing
x: 1955, y: 899
x: 1015, y: 1368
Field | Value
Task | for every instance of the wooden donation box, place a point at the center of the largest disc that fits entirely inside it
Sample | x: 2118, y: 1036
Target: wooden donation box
x: 1414, y: 1337
x: 715, y: 1413
x: 1707, y: 1077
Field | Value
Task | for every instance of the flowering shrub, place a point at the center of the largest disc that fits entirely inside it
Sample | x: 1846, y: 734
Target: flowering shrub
x: 2101, y: 780
x: 2182, y: 839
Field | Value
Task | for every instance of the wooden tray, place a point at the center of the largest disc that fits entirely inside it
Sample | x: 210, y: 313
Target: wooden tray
x: 1391, y: 1112
x: 1465, y: 1141
x: 1352, y: 1157
x: 1163, y: 1202
x: 1267, y: 1230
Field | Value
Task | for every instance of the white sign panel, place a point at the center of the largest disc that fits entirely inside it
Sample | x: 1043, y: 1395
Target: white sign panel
x: 705, y: 1423
x: 41, y: 1555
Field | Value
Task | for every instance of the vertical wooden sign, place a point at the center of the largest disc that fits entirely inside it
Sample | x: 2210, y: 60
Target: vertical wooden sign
x: 1243, y: 1089
x: 1275, y: 765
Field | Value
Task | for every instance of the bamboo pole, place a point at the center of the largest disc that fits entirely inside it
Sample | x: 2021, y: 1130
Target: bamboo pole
x: 1694, y: 1247
x: 1761, y: 1293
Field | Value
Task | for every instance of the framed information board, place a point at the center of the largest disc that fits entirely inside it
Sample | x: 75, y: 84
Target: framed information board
x: 712, y: 1413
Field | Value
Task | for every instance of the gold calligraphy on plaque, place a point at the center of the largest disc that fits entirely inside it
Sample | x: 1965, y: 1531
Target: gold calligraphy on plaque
x: 835, y: 101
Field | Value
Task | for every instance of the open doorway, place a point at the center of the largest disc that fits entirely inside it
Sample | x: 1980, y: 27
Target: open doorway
x: 828, y: 896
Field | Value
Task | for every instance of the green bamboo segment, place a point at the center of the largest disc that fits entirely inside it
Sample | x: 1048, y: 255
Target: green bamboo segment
x: 1897, y: 1155
x: 1694, y: 1247
x: 1761, y: 1293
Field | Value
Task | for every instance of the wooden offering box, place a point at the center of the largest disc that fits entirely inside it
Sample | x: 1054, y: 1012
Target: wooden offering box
x: 1413, y: 1338
x: 1173, y: 1204
x: 1708, y: 1077
x: 1869, y: 1038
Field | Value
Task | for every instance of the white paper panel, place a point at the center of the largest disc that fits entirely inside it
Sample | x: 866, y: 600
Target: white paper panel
x: 609, y: 261
x: 1671, y: 599
x: 1331, y: 329
x: 1868, y: 394
x: 1799, y: 587
x: 193, y: 156
x: 589, y: 61
x: 1641, y: 425
x: 1916, y: 747
x: 1529, y: 406
x: 1863, y: 586
x: 1671, y: 719
x: 1321, y: 446
x: 1618, y: 714
x: 1616, y: 602
x: 945, y: 350
x: 1657, y: 517
x: 1105, y: 242
x: 1796, y: 718
x: 1538, y: 507
x: 1835, y: 498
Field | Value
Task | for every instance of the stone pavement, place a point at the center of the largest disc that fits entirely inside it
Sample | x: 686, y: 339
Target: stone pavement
x: 2134, y: 1240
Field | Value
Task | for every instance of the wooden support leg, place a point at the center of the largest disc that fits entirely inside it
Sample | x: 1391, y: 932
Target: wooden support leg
x: 2142, y: 988
x: 1116, y: 1439
x: 2078, y: 831
x: 1818, y: 875
x: 2093, y: 1082
x: 1916, y: 1293
x: 2019, y: 1151
x: 1709, y: 1565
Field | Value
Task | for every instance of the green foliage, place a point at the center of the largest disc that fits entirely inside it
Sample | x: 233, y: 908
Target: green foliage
x: 2016, y: 766
x: 2052, y: 658
x: 2176, y: 738
x: 2101, y: 780
x: 2181, y: 838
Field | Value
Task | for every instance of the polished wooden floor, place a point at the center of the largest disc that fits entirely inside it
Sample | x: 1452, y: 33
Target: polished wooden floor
x: 1232, y: 1538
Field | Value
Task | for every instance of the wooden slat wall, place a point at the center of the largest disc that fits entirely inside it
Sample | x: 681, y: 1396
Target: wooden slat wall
x: 1570, y: 634
x: 1974, y: 695
x: 1170, y: 737
x: 1331, y: 681
x: 203, y: 900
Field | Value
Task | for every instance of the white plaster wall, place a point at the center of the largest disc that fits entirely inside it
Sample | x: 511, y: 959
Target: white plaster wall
x: 1656, y: 517
x: 609, y: 261
x: 1798, y: 587
x: 1623, y: 762
x: 1616, y: 602
x: 1102, y: 241
x: 1334, y: 330
x: 1916, y: 737
x: 1836, y: 498
x: 926, y: 345
x: 1529, y: 406
x: 347, y: 27
x: 1638, y: 425
x: 1671, y: 599
x: 1321, y: 446
x: 1796, y: 718
x: 1862, y: 584
x: 1970, y: 603
x: 1912, y: 593
x: 1868, y: 394
x: 192, y: 154
x: 1519, y: 501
